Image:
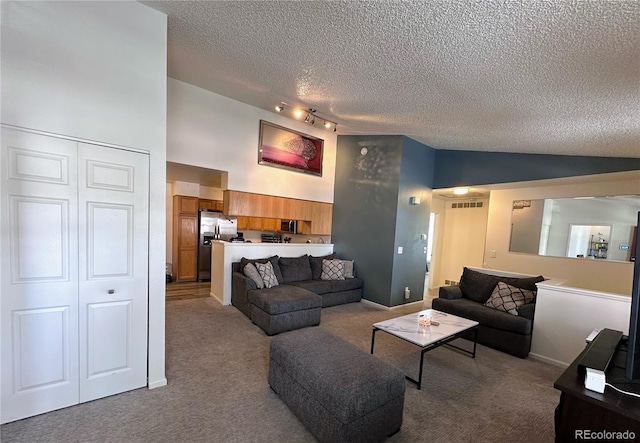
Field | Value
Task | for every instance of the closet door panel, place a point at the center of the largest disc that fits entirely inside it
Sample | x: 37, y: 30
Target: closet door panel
x: 113, y: 244
x: 39, y: 265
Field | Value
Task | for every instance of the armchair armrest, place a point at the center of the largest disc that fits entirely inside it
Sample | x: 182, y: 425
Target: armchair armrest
x: 450, y: 292
x: 240, y: 284
x: 527, y: 311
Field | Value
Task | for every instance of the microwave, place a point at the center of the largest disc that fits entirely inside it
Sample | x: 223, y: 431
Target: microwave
x: 290, y: 226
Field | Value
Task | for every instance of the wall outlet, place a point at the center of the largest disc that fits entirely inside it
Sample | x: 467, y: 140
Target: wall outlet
x: 493, y: 253
x: 407, y: 293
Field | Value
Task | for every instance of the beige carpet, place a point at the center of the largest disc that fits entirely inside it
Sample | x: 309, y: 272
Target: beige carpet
x: 217, y: 363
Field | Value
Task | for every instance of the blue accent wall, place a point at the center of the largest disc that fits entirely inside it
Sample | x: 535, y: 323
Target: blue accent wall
x: 468, y: 168
x: 364, y: 208
x: 416, y: 180
x: 372, y: 215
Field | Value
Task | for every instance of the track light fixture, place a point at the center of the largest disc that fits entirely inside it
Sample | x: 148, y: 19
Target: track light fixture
x: 309, y: 115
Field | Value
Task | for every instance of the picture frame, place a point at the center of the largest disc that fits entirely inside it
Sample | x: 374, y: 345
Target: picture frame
x: 285, y: 148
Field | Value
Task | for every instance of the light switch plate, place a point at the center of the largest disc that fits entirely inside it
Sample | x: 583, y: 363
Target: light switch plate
x: 399, y: 249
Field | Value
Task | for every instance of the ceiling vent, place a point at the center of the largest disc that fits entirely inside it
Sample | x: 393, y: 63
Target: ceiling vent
x: 467, y: 205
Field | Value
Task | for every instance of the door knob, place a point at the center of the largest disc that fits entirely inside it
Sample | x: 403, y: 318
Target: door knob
x: 111, y: 291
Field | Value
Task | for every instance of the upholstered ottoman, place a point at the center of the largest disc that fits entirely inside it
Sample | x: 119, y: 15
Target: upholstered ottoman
x: 284, y: 308
x: 339, y: 392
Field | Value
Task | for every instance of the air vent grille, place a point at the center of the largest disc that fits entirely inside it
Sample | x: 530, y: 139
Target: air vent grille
x: 467, y: 205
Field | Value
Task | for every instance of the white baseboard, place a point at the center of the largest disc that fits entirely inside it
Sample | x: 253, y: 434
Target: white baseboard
x: 212, y: 295
x: 551, y: 361
x: 420, y: 302
x: 375, y: 305
x: 158, y: 383
x: 387, y: 308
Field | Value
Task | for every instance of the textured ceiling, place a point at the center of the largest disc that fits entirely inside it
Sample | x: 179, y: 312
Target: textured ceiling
x: 529, y: 76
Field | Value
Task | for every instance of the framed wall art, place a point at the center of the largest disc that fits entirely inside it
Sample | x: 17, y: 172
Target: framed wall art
x: 285, y: 148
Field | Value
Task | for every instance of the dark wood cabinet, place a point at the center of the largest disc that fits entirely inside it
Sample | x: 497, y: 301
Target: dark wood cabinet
x: 581, y: 410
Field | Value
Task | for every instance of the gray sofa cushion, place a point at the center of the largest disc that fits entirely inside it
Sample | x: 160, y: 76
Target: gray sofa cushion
x: 484, y: 315
x: 317, y: 286
x: 345, y: 285
x: 316, y: 265
x: 477, y: 286
x: 274, y: 262
x: 295, y: 269
x: 283, y: 298
x: 528, y: 283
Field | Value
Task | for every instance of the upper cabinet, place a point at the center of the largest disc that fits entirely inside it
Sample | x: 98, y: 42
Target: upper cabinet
x: 317, y: 214
x: 213, y: 205
x: 185, y: 205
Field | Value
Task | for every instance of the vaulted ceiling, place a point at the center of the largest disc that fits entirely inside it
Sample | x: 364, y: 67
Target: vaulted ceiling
x: 557, y: 77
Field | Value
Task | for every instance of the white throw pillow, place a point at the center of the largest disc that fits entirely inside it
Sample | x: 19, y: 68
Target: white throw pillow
x: 251, y: 272
x: 348, y: 268
x: 332, y: 270
x: 268, y: 276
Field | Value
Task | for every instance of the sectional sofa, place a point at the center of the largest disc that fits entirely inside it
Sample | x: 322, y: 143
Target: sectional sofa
x: 301, y: 291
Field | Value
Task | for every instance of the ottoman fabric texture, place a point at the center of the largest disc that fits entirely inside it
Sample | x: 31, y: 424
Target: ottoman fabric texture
x: 281, y: 299
x: 340, y: 392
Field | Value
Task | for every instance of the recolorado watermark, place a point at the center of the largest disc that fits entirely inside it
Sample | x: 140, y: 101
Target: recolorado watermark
x: 587, y: 434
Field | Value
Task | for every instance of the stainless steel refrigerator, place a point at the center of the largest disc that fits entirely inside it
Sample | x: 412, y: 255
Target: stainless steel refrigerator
x: 212, y: 226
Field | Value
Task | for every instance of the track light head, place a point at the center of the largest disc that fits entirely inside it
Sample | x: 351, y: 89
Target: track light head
x: 309, y: 115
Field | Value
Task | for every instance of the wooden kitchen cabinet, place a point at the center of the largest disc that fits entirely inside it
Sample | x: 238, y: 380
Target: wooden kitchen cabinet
x: 212, y: 205
x: 243, y: 222
x: 255, y: 224
x: 321, y: 218
x: 185, y: 205
x: 185, y: 238
x: 314, y: 217
x: 270, y: 224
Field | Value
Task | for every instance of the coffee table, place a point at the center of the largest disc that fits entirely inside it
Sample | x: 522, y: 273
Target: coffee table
x: 428, y: 337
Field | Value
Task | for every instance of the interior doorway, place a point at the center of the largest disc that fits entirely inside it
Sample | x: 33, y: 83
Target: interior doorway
x: 429, y: 266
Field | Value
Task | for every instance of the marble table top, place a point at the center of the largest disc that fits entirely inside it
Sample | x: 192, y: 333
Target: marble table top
x: 408, y: 327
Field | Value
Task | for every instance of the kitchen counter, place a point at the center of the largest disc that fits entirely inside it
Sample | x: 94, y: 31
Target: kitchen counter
x: 224, y: 253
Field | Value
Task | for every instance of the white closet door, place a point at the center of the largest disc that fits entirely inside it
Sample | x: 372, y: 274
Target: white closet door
x: 113, y: 242
x: 39, y: 266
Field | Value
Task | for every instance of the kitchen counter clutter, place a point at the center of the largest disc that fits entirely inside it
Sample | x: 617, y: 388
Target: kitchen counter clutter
x: 225, y: 253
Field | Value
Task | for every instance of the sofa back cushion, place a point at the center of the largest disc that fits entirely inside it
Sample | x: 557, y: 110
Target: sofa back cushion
x: 295, y: 269
x: 478, y: 286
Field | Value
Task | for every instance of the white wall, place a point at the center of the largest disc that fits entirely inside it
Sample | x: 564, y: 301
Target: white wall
x: 463, y: 235
x: 565, y: 316
x: 615, y: 277
x: 96, y: 71
x: 212, y: 131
